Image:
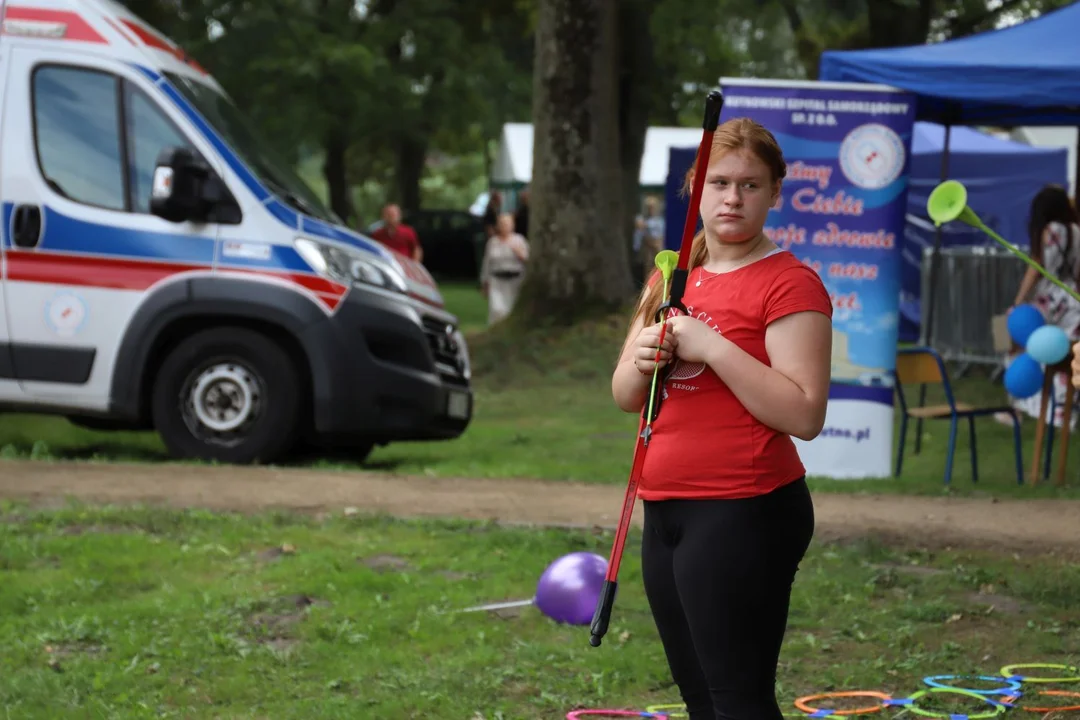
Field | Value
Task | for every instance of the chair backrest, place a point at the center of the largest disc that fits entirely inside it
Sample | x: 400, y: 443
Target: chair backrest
x: 918, y: 365
x: 921, y: 366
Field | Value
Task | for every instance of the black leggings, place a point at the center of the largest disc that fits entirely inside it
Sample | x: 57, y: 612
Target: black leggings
x: 718, y: 576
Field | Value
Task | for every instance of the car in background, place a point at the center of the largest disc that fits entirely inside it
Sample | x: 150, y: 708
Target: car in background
x: 453, y: 241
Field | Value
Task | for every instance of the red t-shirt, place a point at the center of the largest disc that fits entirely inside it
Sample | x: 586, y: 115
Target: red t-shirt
x: 704, y: 443
x: 403, y: 240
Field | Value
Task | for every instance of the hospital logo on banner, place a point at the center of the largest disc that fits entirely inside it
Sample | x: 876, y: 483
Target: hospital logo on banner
x: 872, y: 156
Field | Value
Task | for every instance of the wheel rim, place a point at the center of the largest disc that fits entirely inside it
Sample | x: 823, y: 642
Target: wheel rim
x: 221, y: 402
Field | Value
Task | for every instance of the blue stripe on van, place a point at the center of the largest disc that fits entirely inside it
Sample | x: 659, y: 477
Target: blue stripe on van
x: 63, y: 233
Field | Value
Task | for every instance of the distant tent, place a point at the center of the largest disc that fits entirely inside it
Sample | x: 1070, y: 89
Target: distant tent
x: 513, y: 162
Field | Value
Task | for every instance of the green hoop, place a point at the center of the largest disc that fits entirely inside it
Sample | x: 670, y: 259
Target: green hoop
x: 1008, y: 672
x: 911, y: 703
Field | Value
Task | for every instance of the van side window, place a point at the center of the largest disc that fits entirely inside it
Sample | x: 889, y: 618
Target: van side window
x: 149, y: 132
x: 78, y: 134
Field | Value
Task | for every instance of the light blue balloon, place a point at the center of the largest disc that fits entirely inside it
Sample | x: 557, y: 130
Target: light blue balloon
x: 1048, y: 344
x: 1023, y: 377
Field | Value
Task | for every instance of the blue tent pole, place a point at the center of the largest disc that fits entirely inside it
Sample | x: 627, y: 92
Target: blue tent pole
x: 928, y: 323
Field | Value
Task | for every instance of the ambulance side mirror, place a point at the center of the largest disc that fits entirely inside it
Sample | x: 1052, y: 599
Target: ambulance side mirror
x: 185, y: 188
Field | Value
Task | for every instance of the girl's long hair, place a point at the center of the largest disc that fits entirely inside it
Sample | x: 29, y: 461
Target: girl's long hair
x: 735, y: 134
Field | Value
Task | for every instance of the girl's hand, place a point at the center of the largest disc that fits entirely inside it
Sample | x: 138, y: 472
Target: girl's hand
x: 1076, y: 365
x: 695, y: 341
x: 645, y: 348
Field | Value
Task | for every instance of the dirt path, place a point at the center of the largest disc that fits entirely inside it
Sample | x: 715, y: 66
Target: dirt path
x: 1016, y: 525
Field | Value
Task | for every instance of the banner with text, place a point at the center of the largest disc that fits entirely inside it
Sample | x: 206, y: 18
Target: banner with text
x: 847, y: 149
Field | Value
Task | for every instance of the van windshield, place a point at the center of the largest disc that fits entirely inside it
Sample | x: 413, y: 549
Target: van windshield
x: 230, y: 123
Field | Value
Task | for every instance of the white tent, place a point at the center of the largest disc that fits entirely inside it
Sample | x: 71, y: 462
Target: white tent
x: 513, y: 163
x: 1063, y: 137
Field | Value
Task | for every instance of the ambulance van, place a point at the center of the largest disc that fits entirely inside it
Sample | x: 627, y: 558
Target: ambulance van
x: 163, y: 271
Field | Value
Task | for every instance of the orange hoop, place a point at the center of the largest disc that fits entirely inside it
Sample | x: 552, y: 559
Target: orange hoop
x: 1060, y: 693
x: 801, y: 703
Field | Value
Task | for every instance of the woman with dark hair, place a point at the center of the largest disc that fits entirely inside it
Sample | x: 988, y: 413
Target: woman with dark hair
x: 1054, y: 233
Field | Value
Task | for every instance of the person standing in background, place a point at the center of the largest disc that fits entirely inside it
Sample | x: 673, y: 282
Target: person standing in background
x: 503, y: 269
x: 648, y: 237
x: 398, y: 236
x: 1054, y: 234
x: 491, y: 214
x: 521, y: 216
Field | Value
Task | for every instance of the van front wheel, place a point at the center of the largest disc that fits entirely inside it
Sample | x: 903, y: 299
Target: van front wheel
x: 227, y: 394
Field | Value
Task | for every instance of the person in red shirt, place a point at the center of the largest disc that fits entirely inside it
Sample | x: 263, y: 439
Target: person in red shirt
x: 397, y: 236
x: 727, y: 512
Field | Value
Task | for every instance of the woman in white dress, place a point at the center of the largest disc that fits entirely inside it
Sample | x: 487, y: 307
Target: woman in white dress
x: 502, y: 271
x: 1055, y: 242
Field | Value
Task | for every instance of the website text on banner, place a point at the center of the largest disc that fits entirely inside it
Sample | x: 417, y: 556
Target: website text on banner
x: 842, y: 212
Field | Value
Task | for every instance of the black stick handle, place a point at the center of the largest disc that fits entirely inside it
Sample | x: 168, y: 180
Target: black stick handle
x: 603, y: 612
x: 714, y: 103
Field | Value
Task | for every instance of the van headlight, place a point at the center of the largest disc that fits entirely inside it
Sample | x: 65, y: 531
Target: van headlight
x: 348, y: 266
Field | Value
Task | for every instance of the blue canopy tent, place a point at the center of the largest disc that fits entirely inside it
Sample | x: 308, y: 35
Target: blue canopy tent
x: 1001, y: 176
x: 1025, y: 74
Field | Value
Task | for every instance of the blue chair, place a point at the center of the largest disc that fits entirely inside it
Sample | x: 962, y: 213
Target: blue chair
x: 924, y: 366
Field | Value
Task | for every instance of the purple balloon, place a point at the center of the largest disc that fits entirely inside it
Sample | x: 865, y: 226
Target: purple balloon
x: 570, y: 588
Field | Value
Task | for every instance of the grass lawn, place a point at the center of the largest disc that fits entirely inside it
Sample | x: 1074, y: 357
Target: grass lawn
x: 136, y: 613
x: 544, y: 410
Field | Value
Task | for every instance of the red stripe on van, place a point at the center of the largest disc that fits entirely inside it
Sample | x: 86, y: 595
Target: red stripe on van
x: 119, y: 274
x: 119, y: 30
x: 63, y: 269
x: 152, y: 39
x: 76, y: 28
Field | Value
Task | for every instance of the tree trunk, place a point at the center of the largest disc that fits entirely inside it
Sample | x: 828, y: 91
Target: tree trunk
x: 334, y: 170
x: 636, y: 90
x: 579, y: 263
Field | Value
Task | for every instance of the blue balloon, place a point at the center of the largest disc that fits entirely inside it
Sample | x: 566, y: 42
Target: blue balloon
x: 1023, y: 377
x: 1022, y: 321
x: 1048, y: 344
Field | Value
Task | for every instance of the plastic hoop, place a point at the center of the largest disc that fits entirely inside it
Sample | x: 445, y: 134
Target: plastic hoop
x: 1012, y: 686
x: 576, y: 714
x: 1060, y: 693
x: 911, y: 704
x: 1008, y: 672
x: 801, y: 703
x: 674, y: 710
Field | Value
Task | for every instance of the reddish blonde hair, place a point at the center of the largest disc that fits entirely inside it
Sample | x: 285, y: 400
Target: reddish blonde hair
x: 735, y: 134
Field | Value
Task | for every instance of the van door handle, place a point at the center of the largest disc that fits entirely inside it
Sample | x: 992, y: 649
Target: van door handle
x: 26, y: 226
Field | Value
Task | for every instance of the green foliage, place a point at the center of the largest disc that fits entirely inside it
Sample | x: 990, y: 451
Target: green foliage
x: 404, y: 80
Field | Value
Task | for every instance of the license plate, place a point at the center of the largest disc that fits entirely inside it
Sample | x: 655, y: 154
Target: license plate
x: 458, y: 405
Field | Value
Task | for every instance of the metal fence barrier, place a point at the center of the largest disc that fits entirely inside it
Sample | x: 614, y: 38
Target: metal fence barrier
x: 974, y: 284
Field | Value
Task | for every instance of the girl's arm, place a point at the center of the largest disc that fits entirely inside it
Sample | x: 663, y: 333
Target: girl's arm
x: 1031, y: 276
x: 791, y: 396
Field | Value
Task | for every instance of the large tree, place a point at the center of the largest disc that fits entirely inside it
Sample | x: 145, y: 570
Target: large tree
x: 579, y: 264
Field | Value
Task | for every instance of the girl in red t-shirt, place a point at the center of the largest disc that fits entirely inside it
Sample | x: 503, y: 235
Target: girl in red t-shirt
x: 728, y: 516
